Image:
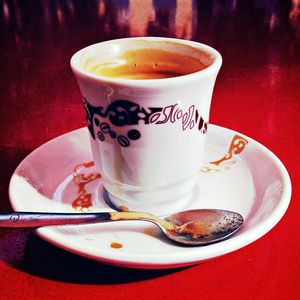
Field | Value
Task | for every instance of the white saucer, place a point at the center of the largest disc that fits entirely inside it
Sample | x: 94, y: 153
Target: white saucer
x: 245, y: 177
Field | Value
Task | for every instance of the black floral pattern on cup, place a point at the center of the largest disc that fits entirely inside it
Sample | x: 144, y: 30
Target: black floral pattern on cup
x: 106, y: 131
x: 124, y: 112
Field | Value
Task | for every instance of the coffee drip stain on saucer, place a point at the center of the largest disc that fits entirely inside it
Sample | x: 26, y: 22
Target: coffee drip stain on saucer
x: 83, y: 200
x: 237, y: 146
x: 116, y: 245
x: 123, y: 208
x: 151, y: 231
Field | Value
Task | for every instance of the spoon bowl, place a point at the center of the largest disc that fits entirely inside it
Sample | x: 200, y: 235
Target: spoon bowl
x: 192, y: 227
x: 205, y: 226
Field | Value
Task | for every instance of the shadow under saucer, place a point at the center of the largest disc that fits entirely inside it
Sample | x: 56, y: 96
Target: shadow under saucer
x: 43, y: 259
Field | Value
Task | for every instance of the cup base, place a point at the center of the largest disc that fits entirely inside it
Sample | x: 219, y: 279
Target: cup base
x: 161, y: 201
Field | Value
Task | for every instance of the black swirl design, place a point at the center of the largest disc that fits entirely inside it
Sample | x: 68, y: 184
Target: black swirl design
x: 119, y: 113
x: 133, y: 134
x: 123, y: 112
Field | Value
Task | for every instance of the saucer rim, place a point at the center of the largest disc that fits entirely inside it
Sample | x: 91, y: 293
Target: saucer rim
x: 182, y: 258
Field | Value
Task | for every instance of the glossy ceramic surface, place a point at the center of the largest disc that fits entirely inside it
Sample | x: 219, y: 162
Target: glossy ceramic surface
x: 147, y: 136
x: 239, y: 175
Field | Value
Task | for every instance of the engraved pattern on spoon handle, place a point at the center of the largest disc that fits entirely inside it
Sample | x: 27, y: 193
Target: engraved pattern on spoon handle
x: 32, y: 219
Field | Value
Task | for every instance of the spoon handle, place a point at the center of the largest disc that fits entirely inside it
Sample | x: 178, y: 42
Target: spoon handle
x: 31, y: 219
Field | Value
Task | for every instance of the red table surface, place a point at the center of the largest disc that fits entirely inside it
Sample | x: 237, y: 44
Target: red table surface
x: 257, y: 93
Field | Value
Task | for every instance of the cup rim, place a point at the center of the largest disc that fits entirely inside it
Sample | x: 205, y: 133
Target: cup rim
x: 213, y: 68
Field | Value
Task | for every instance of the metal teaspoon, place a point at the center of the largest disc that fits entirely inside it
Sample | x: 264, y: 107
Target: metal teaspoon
x: 191, y: 227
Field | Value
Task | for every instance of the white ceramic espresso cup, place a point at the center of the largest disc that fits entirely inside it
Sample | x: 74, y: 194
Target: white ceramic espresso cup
x: 147, y: 135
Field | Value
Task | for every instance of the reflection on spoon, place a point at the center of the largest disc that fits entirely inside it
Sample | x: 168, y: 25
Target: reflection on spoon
x: 191, y: 227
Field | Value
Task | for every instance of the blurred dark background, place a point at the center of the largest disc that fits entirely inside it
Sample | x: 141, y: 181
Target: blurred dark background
x: 268, y: 28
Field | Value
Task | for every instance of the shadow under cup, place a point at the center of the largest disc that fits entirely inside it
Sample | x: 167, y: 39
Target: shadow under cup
x: 147, y: 103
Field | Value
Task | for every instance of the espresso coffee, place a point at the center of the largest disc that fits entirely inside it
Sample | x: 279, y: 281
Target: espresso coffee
x: 149, y: 63
x: 147, y: 134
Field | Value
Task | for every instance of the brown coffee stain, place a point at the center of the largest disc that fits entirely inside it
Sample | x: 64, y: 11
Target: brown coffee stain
x: 83, y: 200
x: 150, y: 231
x: 188, y: 223
x: 237, y: 146
x: 116, y: 245
x: 194, y: 229
x: 123, y: 208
